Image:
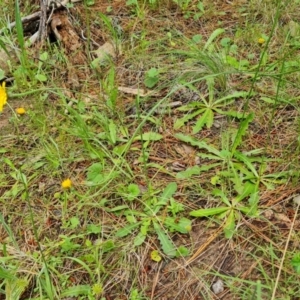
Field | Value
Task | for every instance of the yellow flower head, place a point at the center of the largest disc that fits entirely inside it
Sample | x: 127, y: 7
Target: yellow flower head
x: 3, y: 96
x: 261, y: 41
x: 66, y: 184
x: 20, y: 111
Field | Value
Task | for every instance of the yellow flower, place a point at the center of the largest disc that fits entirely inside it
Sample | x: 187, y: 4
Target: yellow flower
x: 66, y: 184
x: 261, y: 41
x: 3, y: 96
x: 154, y: 255
x: 20, y: 111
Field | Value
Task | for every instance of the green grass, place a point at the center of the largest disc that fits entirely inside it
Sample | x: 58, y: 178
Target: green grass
x: 170, y: 191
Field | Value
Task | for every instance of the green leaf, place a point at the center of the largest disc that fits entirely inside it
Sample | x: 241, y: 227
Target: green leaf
x: 206, y: 212
x: 145, y: 226
x: 127, y: 229
x: 175, y: 207
x: 230, y: 113
x: 219, y: 193
x: 212, y: 37
x: 195, y: 170
x: 133, y: 191
x: 130, y: 218
x: 152, y: 78
x: 243, y: 158
x: 253, y: 201
x: 168, y: 192
x: 248, y: 189
x: 5, y: 274
x: 210, y: 118
x: 74, y: 222
x: 92, y: 228
x: 149, y: 136
x: 117, y: 208
x: 230, y: 225
x: 166, y: 244
x: 241, y: 131
x: 197, y: 38
x: 197, y: 143
x: 204, y: 119
x: 89, y: 2
x: 295, y: 262
x: 95, y: 173
x: 41, y: 77
x: 112, y: 131
x: 139, y: 239
x: 76, y: 291
x: 182, y: 251
x: 180, y: 122
x: 183, y: 225
x: 107, y: 246
x: 231, y: 97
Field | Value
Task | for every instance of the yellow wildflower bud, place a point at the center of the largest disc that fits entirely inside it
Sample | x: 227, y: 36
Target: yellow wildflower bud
x: 3, y: 96
x: 20, y: 111
x: 66, y: 184
x: 261, y: 41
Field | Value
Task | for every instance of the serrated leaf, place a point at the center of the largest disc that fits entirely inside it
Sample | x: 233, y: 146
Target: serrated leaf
x: 204, y: 119
x: 230, y: 113
x: 231, y: 97
x: 149, y: 136
x: 189, y: 172
x: 166, y: 244
x: 195, y: 142
x: 168, y: 192
x: 213, y: 36
x: 180, y: 122
x: 241, y: 131
x: 206, y: 212
x: 127, y: 229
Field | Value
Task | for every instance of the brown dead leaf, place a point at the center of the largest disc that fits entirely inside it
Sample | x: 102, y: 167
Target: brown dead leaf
x: 107, y: 49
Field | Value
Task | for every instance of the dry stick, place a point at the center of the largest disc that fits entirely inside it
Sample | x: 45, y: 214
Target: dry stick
x: 43, y: 21
x: 155, y: 281
x: 296, y: 200
x: 26, y: 19
x: 204, y: 246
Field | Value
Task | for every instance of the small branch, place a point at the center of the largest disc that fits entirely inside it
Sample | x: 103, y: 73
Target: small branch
x: 43, y: 21
x: 27, y: 19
